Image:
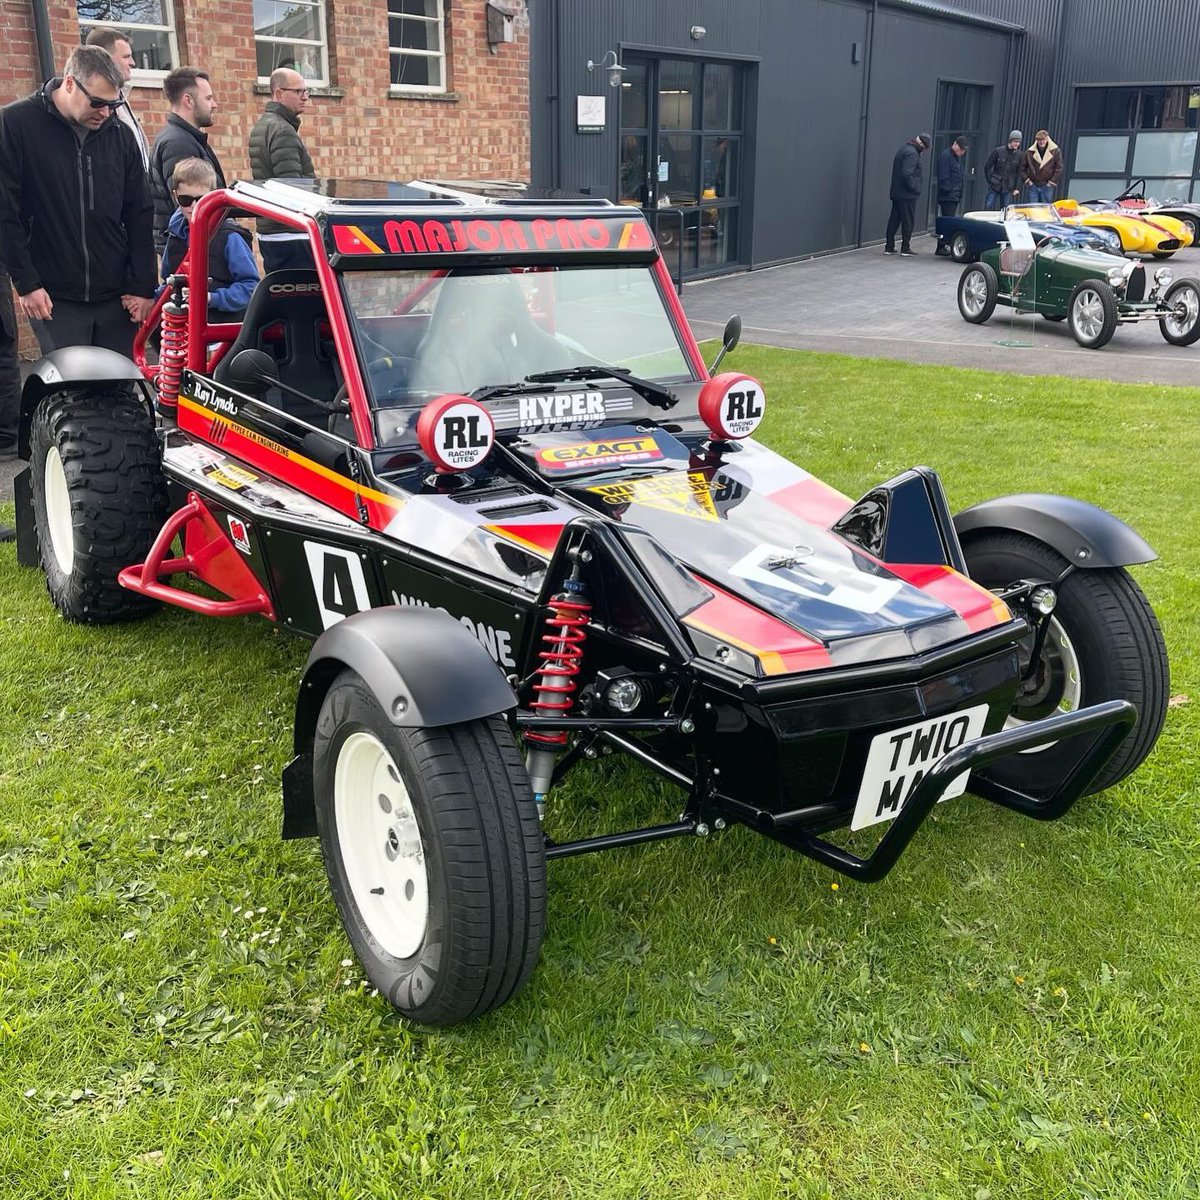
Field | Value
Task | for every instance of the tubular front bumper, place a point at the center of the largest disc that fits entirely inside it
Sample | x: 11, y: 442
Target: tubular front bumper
x: 1109, y: 723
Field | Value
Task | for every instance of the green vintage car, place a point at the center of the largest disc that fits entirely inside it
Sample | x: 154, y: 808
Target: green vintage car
x: 1093, y: 290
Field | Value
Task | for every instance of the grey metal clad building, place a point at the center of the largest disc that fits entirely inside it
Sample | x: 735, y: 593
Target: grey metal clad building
x: 758, y: 131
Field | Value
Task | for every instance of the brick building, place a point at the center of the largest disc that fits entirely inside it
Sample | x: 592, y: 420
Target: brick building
x: 400, y: 88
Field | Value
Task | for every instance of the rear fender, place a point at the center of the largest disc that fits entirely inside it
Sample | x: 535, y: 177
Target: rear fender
x: 1083, y: 534
x: 72, y: 367
x: 421, y: 665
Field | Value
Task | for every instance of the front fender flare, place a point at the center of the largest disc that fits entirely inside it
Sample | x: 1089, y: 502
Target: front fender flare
x: 1085, y: 535
x: 73, y: 366
x: 421, y: 665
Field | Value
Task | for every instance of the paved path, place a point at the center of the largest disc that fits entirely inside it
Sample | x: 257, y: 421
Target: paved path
x: 874, y: 305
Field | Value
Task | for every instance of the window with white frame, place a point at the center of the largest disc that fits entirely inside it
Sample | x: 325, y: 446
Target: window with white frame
x: 148, y: 24
x: 292, y: 33
x: 417, y: 45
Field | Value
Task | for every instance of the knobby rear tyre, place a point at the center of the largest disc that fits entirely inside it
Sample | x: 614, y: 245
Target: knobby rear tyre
x: 99, y: 498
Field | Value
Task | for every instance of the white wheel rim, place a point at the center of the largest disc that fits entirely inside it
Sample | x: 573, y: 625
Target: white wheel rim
x: 1186, y: 311
x: 1088, y: 313
x: 974, y: 293
x: 959, y: 246
x: 1057, y: 643
x: 380, y: 843
x: 58, y: 511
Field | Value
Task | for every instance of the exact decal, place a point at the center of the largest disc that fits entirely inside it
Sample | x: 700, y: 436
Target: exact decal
x: 588, y: 456
x: 688, y: 496
x: 732, y: 405
x: 456, y: 432
x: 837, y: 583
x: 239, y: 533
x: 497, y: 642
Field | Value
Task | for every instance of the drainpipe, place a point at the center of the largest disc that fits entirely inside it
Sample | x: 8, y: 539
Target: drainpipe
x: 863, y: 121
x: 41, y: 36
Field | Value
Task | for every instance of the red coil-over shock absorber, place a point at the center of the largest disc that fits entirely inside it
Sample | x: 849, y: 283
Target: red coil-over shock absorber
x: 554, y: 691
x: 172, y: 355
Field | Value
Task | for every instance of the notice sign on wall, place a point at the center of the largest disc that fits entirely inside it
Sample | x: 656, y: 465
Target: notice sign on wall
x: 589, y: 114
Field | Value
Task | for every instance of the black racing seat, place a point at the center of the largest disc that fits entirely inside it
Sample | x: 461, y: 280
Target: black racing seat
x: 482, y: 332
x: 287, y: 319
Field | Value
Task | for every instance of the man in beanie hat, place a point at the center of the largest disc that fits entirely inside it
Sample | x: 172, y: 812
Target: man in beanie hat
x: 1042, y: 168
x: 1003, y: 172
x: 950, y: 182
x: 907, y: 179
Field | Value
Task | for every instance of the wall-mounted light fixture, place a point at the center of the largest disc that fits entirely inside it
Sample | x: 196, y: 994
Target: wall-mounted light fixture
x: 614, y: 68
x: 697, y: 32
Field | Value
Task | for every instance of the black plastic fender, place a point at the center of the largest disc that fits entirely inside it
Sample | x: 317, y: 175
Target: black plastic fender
x: 73, y: 366
x: 424, y: 668
x: 1083, y: 534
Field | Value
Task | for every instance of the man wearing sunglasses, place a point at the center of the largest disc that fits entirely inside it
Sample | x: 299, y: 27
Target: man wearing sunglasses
x: 76, y: 221
x: 278, y: 152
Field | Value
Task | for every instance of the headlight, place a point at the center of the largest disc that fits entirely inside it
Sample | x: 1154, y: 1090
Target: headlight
x: 1116, y: 276
x: 1164, y: 276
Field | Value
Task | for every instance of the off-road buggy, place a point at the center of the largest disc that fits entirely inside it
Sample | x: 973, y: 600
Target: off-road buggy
x: 476, y: 455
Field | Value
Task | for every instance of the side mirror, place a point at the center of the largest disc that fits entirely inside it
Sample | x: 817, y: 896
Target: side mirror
x: 729, y: 340
x: 253, y: 371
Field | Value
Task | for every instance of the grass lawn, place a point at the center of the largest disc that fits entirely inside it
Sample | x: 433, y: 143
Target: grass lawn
x: 1012, y: 1013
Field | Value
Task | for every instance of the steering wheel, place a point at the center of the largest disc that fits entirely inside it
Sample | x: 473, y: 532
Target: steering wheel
x: 378, y: 369
x: 1135, y: 191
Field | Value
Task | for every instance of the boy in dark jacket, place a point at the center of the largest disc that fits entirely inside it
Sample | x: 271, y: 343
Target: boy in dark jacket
x: 907, y: 178
x: 75, y: 215
x: 232, y: 271
x: 278, y: 152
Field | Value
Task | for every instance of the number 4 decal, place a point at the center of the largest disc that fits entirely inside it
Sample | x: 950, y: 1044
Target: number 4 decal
x: 338, y: 582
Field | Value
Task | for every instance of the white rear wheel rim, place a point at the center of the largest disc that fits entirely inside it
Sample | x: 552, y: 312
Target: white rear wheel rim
x: 380, y: 843
x: 974, y: 293
x: 58, y: 511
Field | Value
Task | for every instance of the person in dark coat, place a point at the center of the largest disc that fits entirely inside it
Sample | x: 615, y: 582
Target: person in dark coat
x: 1003, y: 172
x: 193, y: 106
x: 907, y: 179
x: 950, y: 183
x: 10, y: 370
x: 232, y: 271
x: 278, y: 152
x: 76, y: 222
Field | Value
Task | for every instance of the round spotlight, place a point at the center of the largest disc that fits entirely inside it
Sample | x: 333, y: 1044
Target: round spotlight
x: 623, y: 696
x: 1044, y: 600
x: 1164, y: 276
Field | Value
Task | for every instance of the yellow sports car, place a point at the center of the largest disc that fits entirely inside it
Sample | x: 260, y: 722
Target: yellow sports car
x: 1158, y: 235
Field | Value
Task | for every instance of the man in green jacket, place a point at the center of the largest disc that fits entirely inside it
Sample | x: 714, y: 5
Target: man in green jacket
x: 278, y: 152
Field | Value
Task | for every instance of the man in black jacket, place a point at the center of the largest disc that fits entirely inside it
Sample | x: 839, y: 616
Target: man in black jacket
x: 1003, y: 172
x: 906, y: 188
x: 190, y: 95
x: 950, y: 183
x: 76, y: 221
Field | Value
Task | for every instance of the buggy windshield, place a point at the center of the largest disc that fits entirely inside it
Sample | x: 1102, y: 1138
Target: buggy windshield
x: 424, y: 333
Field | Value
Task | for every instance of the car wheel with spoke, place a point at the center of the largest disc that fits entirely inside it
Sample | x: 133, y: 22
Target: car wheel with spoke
x: 977, y: 292
x: 434, y: 853
x: 960, y: 248
x: 1182, y: 327
x: 1092, y: 313
x: 1193, y: 226
x: 1104, y: 643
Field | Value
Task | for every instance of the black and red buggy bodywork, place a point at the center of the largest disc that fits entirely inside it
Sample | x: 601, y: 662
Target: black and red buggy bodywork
x: 476, y: 455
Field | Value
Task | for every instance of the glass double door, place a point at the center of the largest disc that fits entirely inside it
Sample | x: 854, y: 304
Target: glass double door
x: 681, y: 156
x: 962, y: 110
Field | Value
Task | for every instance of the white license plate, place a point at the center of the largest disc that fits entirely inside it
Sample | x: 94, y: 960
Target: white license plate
x: 899, y: 759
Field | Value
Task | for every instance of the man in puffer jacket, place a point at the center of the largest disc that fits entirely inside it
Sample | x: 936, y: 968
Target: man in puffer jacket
x: 1042, y: 168
x: 907, y: 179
x: 1003, y: 172
x: 278, y: 152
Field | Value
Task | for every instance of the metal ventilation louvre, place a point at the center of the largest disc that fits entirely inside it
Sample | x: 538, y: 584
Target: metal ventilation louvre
x: 1135, y: 286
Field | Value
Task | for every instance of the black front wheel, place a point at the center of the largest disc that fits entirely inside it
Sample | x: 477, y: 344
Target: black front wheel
x: 99, y: 498
x: 1104, y: 643
x: 1092, y: 313
x: 1182, y: 327
x: 434, y: 853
